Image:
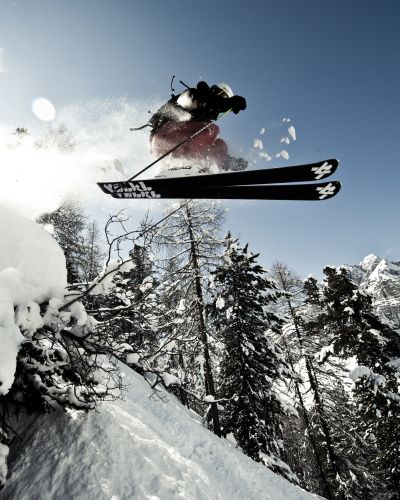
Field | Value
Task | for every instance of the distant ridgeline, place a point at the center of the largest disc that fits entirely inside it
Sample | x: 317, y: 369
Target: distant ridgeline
x: 381, y: 278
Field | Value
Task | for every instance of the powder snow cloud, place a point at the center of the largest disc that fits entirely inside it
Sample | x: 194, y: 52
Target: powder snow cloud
x: 39, y: 169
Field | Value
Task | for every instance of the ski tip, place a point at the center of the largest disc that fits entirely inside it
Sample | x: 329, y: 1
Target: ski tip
x: 102, y: 186
x: 335, y: 162
x: 328, y: 190
x: 323, y: 169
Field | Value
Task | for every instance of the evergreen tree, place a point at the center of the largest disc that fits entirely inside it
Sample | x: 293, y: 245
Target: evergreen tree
x: 93, y: 255
x: 357, y: 332
x: 78, y: 240
x: 251, y: 363
x: 21, y: 131
x: 309, y: 462
x: 345, y: 454
x: 128, y: 313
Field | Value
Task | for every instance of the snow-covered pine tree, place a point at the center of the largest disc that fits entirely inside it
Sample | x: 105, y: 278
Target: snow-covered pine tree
x: 93, y: 257
x: 251, y: 363
x: 305, y: 457
x: 311, y: 291
x: 142, y: 282
x: 356, y: 332
x: 68, y: 224
x: 190, y: 240
x: 345, y: 455
x: 128, y: 313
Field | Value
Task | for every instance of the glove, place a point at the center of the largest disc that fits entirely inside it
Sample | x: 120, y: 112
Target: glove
x: 237, y: 103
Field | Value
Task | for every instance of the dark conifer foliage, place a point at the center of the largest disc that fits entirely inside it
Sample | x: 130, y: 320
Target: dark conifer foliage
x: 251, y: 363
x: 357, y: 332
x: 346, y: 456
x: 311, y: 291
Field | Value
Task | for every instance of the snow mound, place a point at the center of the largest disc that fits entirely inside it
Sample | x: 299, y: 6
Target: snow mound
x: 32, y: 270
x: 146, y: 447
x: 32, y: 265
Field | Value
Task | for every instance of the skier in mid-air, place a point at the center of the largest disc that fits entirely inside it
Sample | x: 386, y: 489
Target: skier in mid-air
x: 185, y: 114
x: 184, y: 128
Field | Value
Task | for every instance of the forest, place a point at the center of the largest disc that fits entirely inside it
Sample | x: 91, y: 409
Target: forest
x: 301, y: 375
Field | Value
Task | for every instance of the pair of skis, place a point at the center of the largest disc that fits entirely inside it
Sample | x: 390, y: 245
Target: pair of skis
x: 264, y: 184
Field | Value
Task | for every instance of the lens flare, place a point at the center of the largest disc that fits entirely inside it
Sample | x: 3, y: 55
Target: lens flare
x: 43, y: 109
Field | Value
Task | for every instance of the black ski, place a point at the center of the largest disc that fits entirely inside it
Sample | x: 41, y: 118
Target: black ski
x: 298, y: 173
x: 141, y: 189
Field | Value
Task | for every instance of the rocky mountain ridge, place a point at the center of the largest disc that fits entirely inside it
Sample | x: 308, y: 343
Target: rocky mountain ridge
x: 381, y: 278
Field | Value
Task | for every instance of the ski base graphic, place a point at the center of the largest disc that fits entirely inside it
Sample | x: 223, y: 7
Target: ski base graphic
x: 145, y: 189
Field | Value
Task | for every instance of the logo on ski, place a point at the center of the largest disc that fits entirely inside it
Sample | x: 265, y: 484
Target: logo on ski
x: 327, y: 190
x: 131, y: 190
x: 322, y: 171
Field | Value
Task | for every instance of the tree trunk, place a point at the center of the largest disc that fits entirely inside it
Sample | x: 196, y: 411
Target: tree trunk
x: 209, y: 379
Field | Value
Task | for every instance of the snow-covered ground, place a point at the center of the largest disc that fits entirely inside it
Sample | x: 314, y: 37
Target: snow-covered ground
x: 141, y: 448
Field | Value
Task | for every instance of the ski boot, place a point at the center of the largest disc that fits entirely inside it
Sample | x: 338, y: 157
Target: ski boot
x: 234, y: 164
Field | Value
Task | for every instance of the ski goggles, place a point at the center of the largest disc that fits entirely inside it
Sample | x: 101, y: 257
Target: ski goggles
x: 216, y: 90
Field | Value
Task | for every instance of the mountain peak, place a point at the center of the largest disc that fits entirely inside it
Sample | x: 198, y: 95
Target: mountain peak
x: 370, y: 262
x: 381, y: 278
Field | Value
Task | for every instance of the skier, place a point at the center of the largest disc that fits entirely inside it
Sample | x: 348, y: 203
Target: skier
x: 189, y: 112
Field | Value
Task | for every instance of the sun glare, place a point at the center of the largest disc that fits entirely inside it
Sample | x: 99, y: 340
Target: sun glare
x: 43, y: 109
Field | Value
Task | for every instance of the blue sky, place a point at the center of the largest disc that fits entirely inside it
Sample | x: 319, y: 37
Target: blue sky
x: 331, y: 67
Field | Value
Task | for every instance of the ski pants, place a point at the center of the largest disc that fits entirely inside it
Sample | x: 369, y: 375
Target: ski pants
x: 206, y: 145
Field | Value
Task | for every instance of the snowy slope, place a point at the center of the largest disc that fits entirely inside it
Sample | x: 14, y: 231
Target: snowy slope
x: 381, y: 278
x: 140, y: 448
